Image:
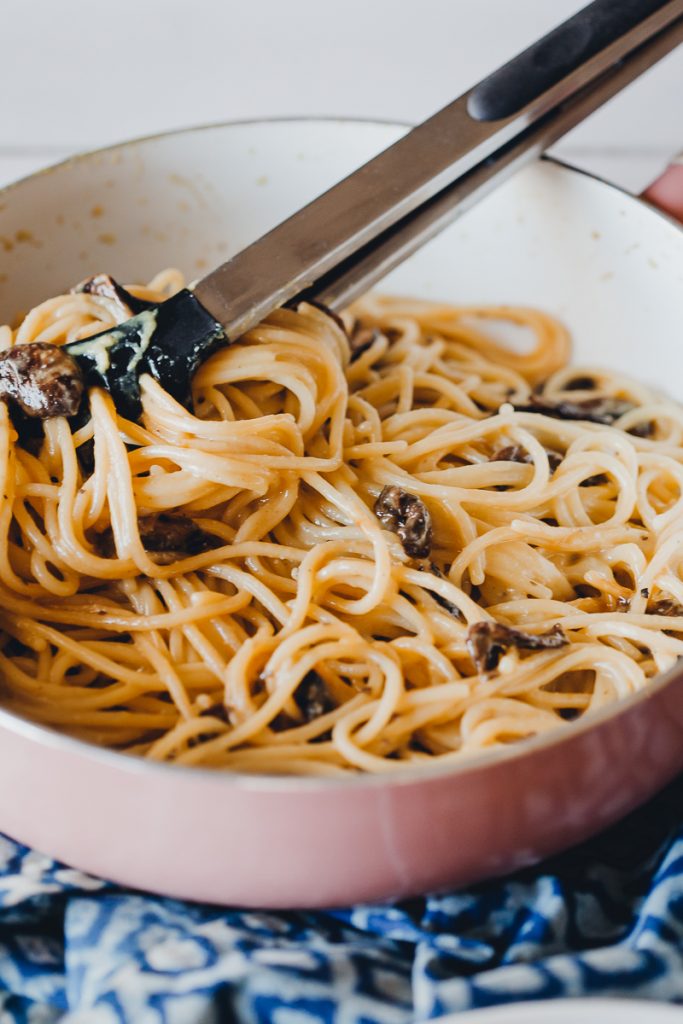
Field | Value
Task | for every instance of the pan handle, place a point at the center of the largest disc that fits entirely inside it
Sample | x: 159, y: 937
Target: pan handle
x: 557, y: 54
x: 666, y: 192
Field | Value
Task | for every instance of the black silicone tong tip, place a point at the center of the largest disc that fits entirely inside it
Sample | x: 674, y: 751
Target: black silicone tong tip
x: 168, y: 341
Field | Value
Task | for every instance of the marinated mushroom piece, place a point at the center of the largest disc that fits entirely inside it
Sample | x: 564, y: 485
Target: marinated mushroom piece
x: 603, y: 410
x: 362, y: 338
x: 582, y: 383
x: 41, y: 379
x: 665, y: 606
x: 595, y: 481
x: 447, y: 605
x: 644, y: 429
x: 488, y: 641
x: 511, y: 453
x: 106, y: 287
x: 85, y: 453
x: 405, y: 515
x: 166, y: 538
x: 216, y: 710
x: 517, y: 453
x: 312, y: 697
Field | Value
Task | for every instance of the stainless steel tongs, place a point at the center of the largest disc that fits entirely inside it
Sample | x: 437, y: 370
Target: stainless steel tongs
x: 334, y: 249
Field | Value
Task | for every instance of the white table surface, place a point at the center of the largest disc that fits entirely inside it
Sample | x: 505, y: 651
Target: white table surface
x: 77, y: 74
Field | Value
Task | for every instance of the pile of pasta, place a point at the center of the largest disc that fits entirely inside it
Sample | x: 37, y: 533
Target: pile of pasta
x: 371, y: 543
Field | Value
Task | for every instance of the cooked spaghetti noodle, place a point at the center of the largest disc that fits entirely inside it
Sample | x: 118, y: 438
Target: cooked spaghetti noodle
x: 392, y: 544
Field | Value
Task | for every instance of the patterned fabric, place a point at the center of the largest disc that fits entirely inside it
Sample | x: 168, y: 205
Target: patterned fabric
x: 604, y: 919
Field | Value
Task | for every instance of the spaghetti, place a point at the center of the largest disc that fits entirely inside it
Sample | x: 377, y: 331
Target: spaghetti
x: 385, y: 542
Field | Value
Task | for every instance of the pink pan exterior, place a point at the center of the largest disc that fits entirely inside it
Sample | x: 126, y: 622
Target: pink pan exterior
x: 604, y: 262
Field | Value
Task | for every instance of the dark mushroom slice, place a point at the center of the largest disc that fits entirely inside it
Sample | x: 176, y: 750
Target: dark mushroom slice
x: 85, y: 453
x: 447, y: 605
x: 217, y: 710
x: 41, y: 379
x: 166, y: 532
x: 517, y: 453
x: 664, y: 606
x: 603, y: 410
x: 405, y: 515
x: 106, y: 287
x: 487, y: 641
x: 595, y: 481
x: 512, y: 453
x: 312, y: 697
x: 165, y: 537
x: 569, y: 714
x: 580, y: 384
x: 362, y: 338
x: 645, y: 429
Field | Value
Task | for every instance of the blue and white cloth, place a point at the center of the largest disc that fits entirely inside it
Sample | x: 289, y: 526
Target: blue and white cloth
x: 603, y: 919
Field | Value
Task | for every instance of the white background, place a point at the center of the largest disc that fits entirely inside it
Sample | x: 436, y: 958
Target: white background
x: 76, y: 74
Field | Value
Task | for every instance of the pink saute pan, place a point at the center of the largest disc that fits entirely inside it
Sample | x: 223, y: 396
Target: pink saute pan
x: 607, y: 264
